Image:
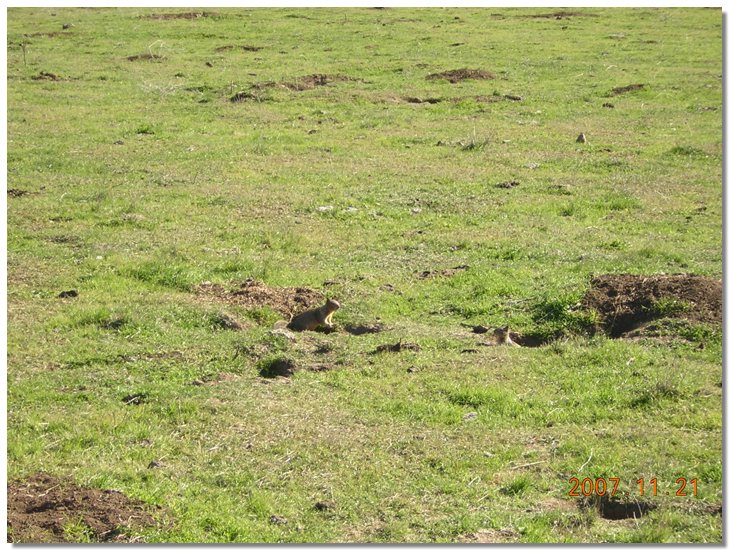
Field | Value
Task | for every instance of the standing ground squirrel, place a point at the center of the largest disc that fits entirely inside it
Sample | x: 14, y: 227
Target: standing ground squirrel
x: 312, y: 319
x: 503, y: 338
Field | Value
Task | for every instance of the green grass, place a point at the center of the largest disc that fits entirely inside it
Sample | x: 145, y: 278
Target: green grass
x: 144, y: 180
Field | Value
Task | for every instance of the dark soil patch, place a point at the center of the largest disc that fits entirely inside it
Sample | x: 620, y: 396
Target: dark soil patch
x: 608, y: 105
x: 625, y: 302
x: 255, y: 294
x: 68, y: 294
x: 307, y: 82
x: 614, y: 509
x: 528, y: 340
x: 41, y: 506
x: 325, y: 505
x: 145, y: 57
x: 625, y: 89
x: 359, y: 330
x: 507, y: 184
x: 182, y: 15
x: 450, y: 272
x: 456, y: 75
x: 17, y: 192
x: 278, y: 367
x: 395, y: 348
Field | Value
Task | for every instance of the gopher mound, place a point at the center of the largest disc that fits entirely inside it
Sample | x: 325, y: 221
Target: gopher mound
x: 255, y: 294
x: 45, y: 509
x: 625, y: 302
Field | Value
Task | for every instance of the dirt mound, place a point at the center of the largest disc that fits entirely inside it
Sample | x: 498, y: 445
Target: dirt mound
x: 255, y: 294
x: 456, y: 75
x: 625, y: 302
x: 46, y: 509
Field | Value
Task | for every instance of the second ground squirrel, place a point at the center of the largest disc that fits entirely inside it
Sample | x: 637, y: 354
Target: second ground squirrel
x: 503, y: 338
x: 313, y: 318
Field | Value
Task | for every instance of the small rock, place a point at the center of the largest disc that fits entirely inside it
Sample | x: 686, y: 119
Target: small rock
x: 67, y: 26
x: 324, y: 208
x: 488, y: 454
x: 416, y: 210
x: 470, y: 416
x: 532, y: 165
x: 351, y: 210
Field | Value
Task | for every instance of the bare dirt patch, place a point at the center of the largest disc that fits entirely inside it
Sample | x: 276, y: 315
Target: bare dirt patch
x: 456, y: 75
x: 256, y: 294
x: 181, y: 15
x: 626, y: 302
x: 42, y: 507
x: 625, y: 89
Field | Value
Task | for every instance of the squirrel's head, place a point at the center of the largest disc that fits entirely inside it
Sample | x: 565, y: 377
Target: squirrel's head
x: 332, y: 304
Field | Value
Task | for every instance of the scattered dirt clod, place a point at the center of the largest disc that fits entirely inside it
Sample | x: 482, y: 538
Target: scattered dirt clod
x: 507, y: 184
x: 40, y: 508
x: 17, y: 192
x: 68, y: 294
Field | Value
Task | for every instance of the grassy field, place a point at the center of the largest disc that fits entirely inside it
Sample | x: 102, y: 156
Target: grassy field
x: 133, y: 178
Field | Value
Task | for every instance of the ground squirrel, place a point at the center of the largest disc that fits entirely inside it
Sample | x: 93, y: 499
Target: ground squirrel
x: 503, y: 338
x: 313, y: 318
